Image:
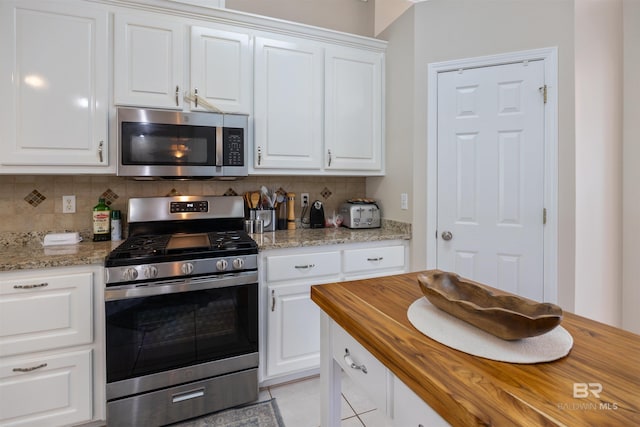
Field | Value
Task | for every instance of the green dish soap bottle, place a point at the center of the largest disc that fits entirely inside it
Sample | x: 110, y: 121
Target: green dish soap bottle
x: 101, y: 218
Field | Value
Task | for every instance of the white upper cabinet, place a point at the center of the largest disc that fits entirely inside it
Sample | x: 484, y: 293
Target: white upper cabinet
x: 318, y: 108
x: 353, y: 123
x: 149, y: 59
x: 156, y: 64
x: 288, y: 104
x: 221, y: 68
x: 314, y: 97
x: 53, y: 86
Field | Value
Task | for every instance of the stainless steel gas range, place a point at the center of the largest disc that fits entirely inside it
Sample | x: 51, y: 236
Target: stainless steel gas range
x: 181, y: 306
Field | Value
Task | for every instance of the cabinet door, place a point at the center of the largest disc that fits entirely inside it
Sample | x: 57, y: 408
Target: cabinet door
x: 353, y: 110
x: 293, y: 329
x: 51, y: 390
x: 361, y: 366
x: 45, y: 312
x: 288, y: 104
x: 53, y: 84
x: 411, y: 411
x: 221, y: 68
x: 148, y: 61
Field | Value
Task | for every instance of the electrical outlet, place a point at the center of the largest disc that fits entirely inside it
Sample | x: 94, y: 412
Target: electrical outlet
x: 304, y: 199
x: 68, y: 204
x: 404, y: 201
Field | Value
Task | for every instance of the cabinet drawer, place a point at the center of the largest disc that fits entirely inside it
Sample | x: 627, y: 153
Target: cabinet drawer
x: 374, y: 380
x: 42, y: 313
x: 371, y: 259
x: 303, y: 266
x: 51, y: 390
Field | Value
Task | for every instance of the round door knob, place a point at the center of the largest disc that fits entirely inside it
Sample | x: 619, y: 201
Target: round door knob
x: 446, y: 235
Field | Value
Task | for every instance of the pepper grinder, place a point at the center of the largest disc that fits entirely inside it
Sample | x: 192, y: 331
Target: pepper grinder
x: 291, y: 216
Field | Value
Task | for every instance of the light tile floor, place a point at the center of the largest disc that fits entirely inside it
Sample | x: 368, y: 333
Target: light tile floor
x: 299, y: 404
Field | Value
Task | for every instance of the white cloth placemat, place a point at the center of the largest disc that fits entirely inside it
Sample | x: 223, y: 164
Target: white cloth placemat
x: 460, y: 335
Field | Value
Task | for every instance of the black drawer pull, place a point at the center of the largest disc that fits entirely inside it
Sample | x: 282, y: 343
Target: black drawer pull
x: 33, y: 368
x: 37, y: 285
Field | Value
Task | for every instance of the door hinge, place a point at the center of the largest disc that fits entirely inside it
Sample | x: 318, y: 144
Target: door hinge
x: 543, y: 90
x: 544, y: 216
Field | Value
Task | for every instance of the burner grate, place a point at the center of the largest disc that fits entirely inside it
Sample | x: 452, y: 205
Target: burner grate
x: 141, y: 246
x: 153, y: 247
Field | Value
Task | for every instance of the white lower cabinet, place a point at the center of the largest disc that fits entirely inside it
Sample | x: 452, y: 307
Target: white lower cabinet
x: 374, y: 261
x: 391, y: 396
x: 298, y: 342
x: 290, y: 327
x: 411, y: 411
x: 361, y: 366
x: 43, y: 312
x: 293, y: 321
x: 51, y: 346
x: 51, y: 390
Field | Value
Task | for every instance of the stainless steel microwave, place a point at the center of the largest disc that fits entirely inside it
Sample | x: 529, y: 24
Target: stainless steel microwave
x: 154, y: 144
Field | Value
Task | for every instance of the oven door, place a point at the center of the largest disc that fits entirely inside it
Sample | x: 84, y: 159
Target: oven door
x: 173, y: 332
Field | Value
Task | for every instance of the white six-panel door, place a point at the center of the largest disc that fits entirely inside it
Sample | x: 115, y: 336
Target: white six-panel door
x: 491, y: 176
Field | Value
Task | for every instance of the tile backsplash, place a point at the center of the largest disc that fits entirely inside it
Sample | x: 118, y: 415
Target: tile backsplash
x: 33, y: 203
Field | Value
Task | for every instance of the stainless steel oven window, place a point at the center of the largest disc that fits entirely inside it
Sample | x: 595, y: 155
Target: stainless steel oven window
x: 151, y: 334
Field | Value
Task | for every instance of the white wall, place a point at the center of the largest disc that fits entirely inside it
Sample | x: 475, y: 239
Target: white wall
x: 400, y: 110
x: 453, y: 29
x: 388, y: 11
x: 598, y: 268
x: 631, y: 168
x: 351, y: 16
x: 598, y: 70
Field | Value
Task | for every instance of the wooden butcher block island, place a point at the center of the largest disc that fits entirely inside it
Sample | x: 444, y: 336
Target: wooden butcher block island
x: 597, y: 384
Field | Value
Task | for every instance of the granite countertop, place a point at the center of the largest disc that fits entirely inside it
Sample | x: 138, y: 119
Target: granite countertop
x: 25, y: 251
x: 299, y: 237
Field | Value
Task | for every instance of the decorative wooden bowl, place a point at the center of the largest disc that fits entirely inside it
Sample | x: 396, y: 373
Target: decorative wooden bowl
x: 509, y: 317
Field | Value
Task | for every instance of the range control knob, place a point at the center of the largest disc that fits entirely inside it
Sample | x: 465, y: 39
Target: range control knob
x: 150, y: 272
x: 186, y: 268
x: 238, y: 263
x: 222, y: 264
x: 130, y: 274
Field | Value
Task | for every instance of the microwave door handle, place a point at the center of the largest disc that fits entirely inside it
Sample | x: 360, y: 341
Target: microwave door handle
x: 219, y: 146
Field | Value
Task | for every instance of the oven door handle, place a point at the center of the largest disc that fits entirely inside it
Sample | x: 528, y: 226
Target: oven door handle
x: 138, y: 290
x: 188, y: 395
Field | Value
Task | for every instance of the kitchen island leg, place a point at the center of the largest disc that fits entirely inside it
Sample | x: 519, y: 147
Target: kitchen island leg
x: 330, y: 377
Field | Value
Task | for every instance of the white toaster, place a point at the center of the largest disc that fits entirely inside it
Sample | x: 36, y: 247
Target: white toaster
x: 360, y: 213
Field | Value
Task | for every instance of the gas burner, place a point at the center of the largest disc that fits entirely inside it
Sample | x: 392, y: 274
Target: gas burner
x: 147, y: 242
x: 142, y: 246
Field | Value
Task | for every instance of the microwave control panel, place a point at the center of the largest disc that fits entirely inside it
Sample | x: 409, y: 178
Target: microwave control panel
x: 233, y: 147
